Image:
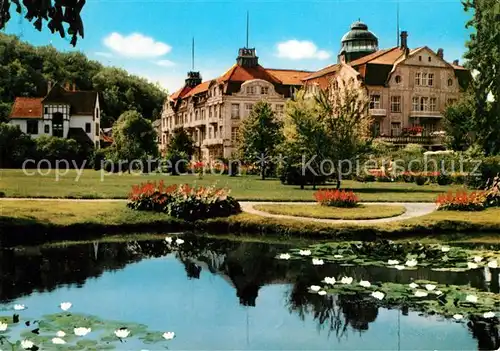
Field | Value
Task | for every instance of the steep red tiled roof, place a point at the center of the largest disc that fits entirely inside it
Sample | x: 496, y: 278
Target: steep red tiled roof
x: 459, y: 67
x: 200, y: 88
x: 289, y: 76
x: 324, y: 71
x: 27, y: 108
x: 242, y: 74
x: 180, y: 93
x: 385, y: 56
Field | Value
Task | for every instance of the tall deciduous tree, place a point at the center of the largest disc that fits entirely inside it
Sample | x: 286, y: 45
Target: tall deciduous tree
x: 260, y: 135
x: 483, y: 57
x: 458, y: 123
x: 181, y: 142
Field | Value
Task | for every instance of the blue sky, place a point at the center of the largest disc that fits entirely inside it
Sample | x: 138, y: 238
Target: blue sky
x: 152, y: 38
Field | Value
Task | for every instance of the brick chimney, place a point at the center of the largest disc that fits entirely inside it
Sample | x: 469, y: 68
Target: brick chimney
x: 440, y: 53
x: 404, y: 40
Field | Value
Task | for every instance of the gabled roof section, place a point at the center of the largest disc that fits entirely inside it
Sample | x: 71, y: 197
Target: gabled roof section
x: 200, y: 88
x: 238, y: 73
x: 180, y: 93
x: 81, y: 102
x: 24, y: 108
x: 384, y: 57
x: 322, y: 72
x: 289, y: 76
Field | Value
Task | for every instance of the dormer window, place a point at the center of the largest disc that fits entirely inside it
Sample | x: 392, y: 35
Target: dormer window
x: 251, y: 90
x: 264, y: 90
x: 398, y: 79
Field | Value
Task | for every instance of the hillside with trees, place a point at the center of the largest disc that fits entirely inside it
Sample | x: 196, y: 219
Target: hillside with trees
x: 26, y: 69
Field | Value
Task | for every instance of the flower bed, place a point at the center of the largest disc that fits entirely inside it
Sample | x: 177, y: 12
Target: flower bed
x: 183, y: 201
x: 462, y: 201
x: 336, y: 198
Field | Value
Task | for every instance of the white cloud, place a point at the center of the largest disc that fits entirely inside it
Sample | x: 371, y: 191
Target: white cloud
x: 300, y: 50
x: 136, y: 45
x: 104, y: 54
x: 165, y: 63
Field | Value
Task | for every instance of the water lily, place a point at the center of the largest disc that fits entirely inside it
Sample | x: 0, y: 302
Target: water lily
x: 392, y: 262
x: 169, y: 335
x: 471, y: 298
x: 438, y: 292
x: 317, y: 262
x: 378, y: 295
x: 445, y: 248
x: 65, y: 306
x: 322, y: 293
x: 413, y: 285
x: 122, y: 333
x: 315, y: 288
x: 346, y: 280
x: 60, y: 334
x: 493, y: 264
x: 330, y: 280
x: 285, y: 256
x: 471, y: 265
x: 26, y: 344
x: 365, y: 284
x: 458, y: 317
x: 489, y: 315
x: 420, y: 294
x: 168, y: 239
x: 58, y: 341
x: 305, y: 252
x: 430, y: 287
x: 338, y: 256
x: 3, y: 326
x: 19, y: 307
x: 179, y: 241
x: 399, y: 268
x: 478, y: 259
x: 82, y: 331
x: 411, y: 263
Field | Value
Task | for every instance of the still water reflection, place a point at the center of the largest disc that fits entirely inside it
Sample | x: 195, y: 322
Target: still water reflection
x: 231, y: 295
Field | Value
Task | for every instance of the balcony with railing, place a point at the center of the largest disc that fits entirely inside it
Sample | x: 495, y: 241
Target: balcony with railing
x: 423, y: 114
x: 378, y: 112
x: 213, y: 141
x: 425, y: 140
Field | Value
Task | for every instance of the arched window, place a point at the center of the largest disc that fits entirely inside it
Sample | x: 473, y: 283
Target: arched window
x: 398, y: 79
x: 57, y: 124
x: 450, y: 82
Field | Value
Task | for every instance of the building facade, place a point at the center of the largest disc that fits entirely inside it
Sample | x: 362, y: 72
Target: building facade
x: 63, y: 112
x: 212, y: 111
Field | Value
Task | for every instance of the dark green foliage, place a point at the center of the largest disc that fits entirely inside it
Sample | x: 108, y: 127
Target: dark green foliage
x: 489, y: 169
x: 420, y: 180
x: 443, y: 179
x: 176, y: 162
x: 458, y: 122
x: 15, y: 147
x: 193, y: 210
x: 181, y: 142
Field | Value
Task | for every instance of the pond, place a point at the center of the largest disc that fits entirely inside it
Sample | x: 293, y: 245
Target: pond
x: 217, y: 295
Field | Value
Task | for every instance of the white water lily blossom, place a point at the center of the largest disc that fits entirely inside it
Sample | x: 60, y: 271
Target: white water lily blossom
x: 478, y: 259
x: 399, y: 268
x: 421, y: 294
x: 365, y: 284
x: 19, y: 307
x: 471, y: 265
x: 179, y: 241
x: 168, y: 335
x: 430, y: 287
x: 168, y: 239
x: 27, y: 344
x: 438, y: 292
x: 305, y: 252
x: 65, y: 306
x: 493, y: 264
x: 445, y: 248
x: 285, y: 256
x: 317, y: 262
x: 338, y: 256
x: 315, y: 288
x: 3, y: 326
x: 330, y: 280
x: 489, y: 315
x: 322, y: 293
x: 60, y: 334
x: 122, y: 333
x: 58, y: 341
x: 471, y: 298
x: 413, y: 285
x: 411, y: 263
x: 458, y: 317
x: 392, y: 262
x: 82, y: 331
x: 378, y: 295
x: 346, y: 280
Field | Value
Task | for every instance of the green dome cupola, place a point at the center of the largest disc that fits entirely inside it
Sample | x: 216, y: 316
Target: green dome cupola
x: 358, y: 42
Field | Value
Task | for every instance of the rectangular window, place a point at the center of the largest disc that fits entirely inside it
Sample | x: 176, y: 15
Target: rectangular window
x: 235, y: 111
x: 234, y: 133
x: 210, y: 112
x: 396, y: 104
x: 430, y: 79
x: 415, y: 104
x: 395, y: 129
x: 424, y: 79
x: 264, y: 90
x: 97, y: 130
x: 450, y: 102
x: 47, y: 129
x: 210, y: 132
x: 374, y: 102
x: 88, y: 128
x: 46, y: 110
x: 32, y: 127
x: 280, y: 109
x: 424, y: 104
x: 417, y: 78
x: 433, y: 104
x: 220, y: 132
x: 251, y: 90
x: 248, y: 108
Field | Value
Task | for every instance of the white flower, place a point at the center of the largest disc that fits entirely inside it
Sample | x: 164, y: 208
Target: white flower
x: 430, y: 287
x: 3, y: 326
x: 445, y: 248
x: 493, y: 264
x: 315, y: 288
x: 19, y: 307
x: 471, y: 298
x: 338, y: 256
x: 169, y: 335
x: 413, y: 285
x: 82, y: 331
x: 365, y: 284
x: 378, y: 295
x: 471, y: 265
x: 58, y: 341
x: 392, y: 262
x: 478, y: 259
x: 317, y: 262
x: 179, y: 241
x: 438, y: 292
x: 168, y: 239
x: 346, y: 280
x: 285, y: 256
x: 305, y: 252
x: 458, y: 316
x: 322, y: 292
x: 61, y: 334
x: 65, y: 306
x: 411, y: 263
x: 420, y: 294
x: 26, y: 344
x: 330, y: 280
x: 489, y: 314
x: 399, y: 268
x: 122, y: 333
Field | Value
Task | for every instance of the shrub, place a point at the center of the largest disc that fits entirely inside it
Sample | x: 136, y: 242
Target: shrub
x: 367, y: 178
x: 444, y: 179
x: 462, y: 201
x: 420, y: 179
x: 336, y: 198
x: 414, y: 149
x: 182, y: 201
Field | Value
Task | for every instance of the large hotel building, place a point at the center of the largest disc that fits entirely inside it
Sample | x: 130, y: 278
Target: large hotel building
x: 407, y: 88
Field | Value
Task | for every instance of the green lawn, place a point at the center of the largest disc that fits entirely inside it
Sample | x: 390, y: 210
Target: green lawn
x: 14, y: 183
x: 316, y: 211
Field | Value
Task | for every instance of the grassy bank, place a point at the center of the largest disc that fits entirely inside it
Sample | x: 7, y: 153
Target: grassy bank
x: 325, y: 212
x: 30, y: 222
x: 14, y: 183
